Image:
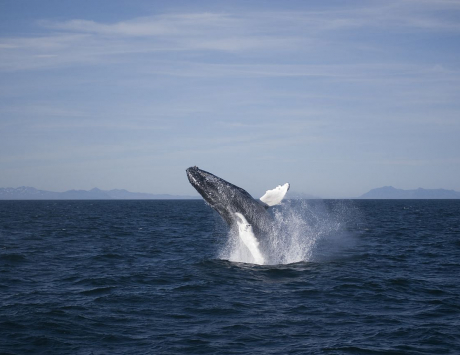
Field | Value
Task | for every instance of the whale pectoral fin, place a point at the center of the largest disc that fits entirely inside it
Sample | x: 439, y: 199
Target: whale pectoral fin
x: 275, y: 196
x: 249, y: 239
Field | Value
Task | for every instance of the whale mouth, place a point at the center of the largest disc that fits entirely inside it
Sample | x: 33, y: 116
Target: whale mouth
x: 200, y: 180
x: 193, y: 173
x: 198, y: 177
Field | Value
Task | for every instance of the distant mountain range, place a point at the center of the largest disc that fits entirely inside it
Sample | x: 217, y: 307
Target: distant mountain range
x: 389, y: 192
x: 30, y: 193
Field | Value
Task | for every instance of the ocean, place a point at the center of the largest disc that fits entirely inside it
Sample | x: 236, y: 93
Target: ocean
x: 167, y: 277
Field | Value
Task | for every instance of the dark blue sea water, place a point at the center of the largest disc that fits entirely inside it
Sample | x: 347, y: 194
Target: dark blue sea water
x: 150, y: 277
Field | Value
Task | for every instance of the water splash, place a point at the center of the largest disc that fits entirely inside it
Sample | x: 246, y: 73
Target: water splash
x: 302, y: 231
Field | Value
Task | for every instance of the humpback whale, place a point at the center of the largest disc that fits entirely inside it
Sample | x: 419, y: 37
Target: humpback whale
x: 238, y: 208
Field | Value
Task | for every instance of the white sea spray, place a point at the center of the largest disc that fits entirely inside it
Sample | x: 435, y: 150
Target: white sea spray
x: 302, y: 231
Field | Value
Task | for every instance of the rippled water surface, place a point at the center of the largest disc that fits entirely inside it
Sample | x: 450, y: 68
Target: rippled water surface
x: 154, y: 277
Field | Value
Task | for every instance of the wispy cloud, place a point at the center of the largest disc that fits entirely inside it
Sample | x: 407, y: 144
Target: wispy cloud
x: 81, y: 41
x: 157, y: 26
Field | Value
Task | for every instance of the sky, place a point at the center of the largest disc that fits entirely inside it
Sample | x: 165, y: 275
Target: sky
x: 334, y: 97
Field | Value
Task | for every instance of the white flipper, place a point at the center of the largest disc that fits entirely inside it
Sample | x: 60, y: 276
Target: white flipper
x: 247, y: 236
x: 275, y: 196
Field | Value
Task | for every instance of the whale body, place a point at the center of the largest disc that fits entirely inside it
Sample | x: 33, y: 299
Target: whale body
x: 238, y: 208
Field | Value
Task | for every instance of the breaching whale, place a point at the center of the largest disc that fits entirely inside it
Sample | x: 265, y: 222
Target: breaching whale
x: 238, y: 208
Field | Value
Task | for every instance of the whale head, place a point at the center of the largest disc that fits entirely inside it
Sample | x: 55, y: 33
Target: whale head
x: 221, y: 195
x: 208, y: 185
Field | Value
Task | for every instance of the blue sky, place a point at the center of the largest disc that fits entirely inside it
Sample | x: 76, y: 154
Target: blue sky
x: 334, y: 97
